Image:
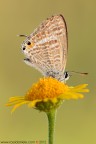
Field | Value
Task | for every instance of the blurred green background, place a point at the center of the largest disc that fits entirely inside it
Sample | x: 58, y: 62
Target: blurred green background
x: 76, y: 120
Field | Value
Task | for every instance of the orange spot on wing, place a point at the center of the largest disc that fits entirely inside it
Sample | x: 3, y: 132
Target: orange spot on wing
x: 31, y: 45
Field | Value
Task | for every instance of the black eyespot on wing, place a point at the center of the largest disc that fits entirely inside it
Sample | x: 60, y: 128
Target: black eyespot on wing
x: 24, y: 48
x: 28, y: 43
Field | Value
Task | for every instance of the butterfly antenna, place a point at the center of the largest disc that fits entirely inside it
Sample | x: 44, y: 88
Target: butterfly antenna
x: 80, y: 73
x: 22, y: 35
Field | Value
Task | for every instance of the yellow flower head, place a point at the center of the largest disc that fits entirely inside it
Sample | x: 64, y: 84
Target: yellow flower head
x: 48, y: 93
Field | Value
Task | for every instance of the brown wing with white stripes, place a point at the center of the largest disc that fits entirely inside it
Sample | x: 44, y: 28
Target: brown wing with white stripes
x: 46, y: 47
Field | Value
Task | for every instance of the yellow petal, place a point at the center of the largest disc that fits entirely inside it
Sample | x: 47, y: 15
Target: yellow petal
x: 14, y: 102
x: 16, y: 98
x: 18, y: 105
x: 33, y: 103
x: 70, y: 95
x: 54, y: 100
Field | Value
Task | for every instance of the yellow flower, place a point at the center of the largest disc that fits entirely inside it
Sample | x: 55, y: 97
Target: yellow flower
x: 48, y: 93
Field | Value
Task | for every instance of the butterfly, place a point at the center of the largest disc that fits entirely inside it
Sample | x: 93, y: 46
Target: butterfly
x: 46, y: 48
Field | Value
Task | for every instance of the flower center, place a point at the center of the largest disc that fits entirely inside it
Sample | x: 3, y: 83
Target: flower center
x: 46, y: 88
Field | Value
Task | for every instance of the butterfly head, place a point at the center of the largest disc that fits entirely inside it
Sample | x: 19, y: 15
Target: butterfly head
x: 66, y: 76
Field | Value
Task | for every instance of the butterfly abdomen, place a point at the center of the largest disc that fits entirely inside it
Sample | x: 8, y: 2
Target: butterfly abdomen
x: 57, y: 75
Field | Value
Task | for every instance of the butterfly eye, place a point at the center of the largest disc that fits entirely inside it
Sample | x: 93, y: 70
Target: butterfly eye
x: 28, y: 43
x: 24, y: 48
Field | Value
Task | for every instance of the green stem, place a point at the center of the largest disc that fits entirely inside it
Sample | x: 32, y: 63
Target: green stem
x: 51, y: 125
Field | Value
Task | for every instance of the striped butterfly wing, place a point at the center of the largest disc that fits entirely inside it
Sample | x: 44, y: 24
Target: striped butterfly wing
x: 48, y: 46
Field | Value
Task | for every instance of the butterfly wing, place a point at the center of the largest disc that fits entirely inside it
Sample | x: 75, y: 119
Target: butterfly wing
x: 48, y: 48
